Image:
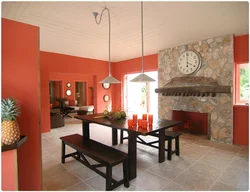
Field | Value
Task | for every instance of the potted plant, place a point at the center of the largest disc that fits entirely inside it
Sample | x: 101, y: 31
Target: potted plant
x: 10, y: 129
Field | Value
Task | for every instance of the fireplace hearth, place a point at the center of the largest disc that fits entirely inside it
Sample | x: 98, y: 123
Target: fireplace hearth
x: 193, y: 122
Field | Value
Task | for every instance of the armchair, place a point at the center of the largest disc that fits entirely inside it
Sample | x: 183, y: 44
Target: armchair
x: 63, y: 109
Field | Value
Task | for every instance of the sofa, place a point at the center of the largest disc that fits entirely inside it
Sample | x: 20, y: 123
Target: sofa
x: 56, y: 119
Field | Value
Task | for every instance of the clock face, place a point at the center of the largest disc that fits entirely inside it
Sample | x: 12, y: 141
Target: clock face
x: 189, y: 62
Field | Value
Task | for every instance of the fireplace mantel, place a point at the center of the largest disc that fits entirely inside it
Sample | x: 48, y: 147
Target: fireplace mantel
x: 193, y: 86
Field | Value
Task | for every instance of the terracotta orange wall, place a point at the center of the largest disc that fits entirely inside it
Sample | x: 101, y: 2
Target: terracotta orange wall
x: 241, y: 125
x: 72, y: 78
x: 9, y: 171
x: 71, y: 68
x: 20, y: 80
x: 241, y: 49
x: 241, y: 113
x: 128, y: 67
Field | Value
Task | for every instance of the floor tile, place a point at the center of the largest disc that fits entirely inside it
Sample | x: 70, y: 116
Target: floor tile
x: 195, y: 181
x: 172, y: 186
x: 237, y: 180
x: 219, y: 186
x: 80, y: 187
x: 53, y: 170
x: 61, y: 181
x: 166, y: 170
x: 205, y: 170
x: 147, y: 181
x: 97, y: 182
x: 215, y: 161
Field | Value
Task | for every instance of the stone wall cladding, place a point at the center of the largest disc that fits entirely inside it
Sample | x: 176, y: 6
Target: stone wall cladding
x: 217, y: 63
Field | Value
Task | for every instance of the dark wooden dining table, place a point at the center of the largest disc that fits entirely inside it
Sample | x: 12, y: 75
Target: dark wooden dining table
x: 159, y: 126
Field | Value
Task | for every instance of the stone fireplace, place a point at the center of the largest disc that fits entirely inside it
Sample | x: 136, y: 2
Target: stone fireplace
x: 217, y: 67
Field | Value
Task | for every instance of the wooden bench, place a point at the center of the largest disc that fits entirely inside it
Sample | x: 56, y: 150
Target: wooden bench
x: 103, y: 154
x: 169, y: 136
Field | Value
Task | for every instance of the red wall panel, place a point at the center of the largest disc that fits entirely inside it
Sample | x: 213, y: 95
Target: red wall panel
x: 9, y: 171
x: 20, y: 80
x: 241, y: 112
x: 241, y: 125
x: 241, y: 49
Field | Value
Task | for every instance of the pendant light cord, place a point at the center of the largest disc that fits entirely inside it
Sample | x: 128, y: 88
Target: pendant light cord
x: 98, y: 22
x: 142, y: 36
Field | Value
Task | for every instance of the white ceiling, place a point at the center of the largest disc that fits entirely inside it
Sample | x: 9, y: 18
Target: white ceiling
x: 69, y: 27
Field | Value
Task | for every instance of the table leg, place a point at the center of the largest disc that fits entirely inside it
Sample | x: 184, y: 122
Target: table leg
x: 161, y: 146
x: 132, y: 158
x: 63, y: 153
x: 85, y: 129
x: 114, y: 137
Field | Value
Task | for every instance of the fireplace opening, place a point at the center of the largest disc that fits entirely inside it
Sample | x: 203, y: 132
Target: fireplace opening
x: 193, y: 122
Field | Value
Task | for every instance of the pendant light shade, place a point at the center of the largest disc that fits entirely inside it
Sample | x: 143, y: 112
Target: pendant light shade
x: 142, y: 77
x: 110, y: 79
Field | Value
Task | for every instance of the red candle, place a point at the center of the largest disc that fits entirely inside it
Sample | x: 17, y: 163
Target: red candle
x: 150, y: 119
x: 134, y: 119
x: 144, y: 124
x: 130, y: 122
x: 144, y: 116
x: 139, y: 122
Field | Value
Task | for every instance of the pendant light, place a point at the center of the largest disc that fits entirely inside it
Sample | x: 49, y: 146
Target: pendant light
x: 110, y: 79
x: 142, y: 77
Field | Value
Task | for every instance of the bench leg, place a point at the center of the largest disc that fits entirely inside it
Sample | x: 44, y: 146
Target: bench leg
x: 108, y: 178
x: 169, y: 149
x: 177, y: 146
x: 125, y: 173
x: 121, y: 137
x: 63, y: 153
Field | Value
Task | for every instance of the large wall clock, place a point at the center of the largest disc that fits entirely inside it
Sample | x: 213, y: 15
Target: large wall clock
x: 189, y: 62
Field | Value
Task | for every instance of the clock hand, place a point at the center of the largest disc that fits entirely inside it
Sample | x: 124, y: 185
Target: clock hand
x: 190, y: 64
x: 187, y: 60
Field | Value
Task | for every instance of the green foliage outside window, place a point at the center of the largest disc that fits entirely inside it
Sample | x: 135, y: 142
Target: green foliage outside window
x: 144, y: 95
x: 244, y: 83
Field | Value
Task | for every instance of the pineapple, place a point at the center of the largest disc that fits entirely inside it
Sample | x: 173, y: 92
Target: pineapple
x: 10, y: 129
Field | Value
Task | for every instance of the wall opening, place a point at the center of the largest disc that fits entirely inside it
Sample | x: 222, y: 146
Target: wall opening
x: 193, y: 122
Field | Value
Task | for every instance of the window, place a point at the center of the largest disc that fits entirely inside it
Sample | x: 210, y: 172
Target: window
x: 242, y: 83
x: 141, y: 97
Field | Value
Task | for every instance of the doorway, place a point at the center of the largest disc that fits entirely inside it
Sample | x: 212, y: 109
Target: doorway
x: 55, y: 91
x: 141, y: 97
x: 80, y: 93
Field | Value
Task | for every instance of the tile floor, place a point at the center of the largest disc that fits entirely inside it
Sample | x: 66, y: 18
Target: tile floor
x: 202, y: 165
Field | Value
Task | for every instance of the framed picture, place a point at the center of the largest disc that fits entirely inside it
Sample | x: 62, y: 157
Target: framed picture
x: 68, y: 92
x: 68, y: 84
x: 106, y: 98
x: 106, y: 85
